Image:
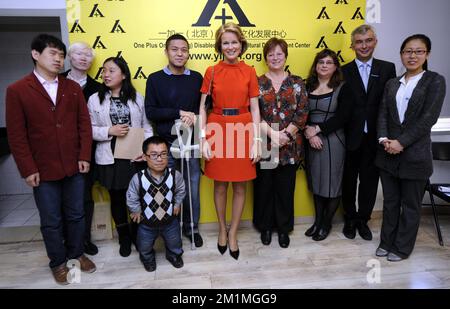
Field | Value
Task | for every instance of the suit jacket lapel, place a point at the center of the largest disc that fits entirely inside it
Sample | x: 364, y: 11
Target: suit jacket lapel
x: 417, y: 93
x: 374, y: 74
x: 357, y: 77
x: 61, y: 86
x: 392, y: 100
x: 36, y: 84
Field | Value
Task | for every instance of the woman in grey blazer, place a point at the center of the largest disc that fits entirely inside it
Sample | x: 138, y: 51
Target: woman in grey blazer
x: 410, y: 107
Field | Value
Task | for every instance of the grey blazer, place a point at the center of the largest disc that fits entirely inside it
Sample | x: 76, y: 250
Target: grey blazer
x: 424, y: 107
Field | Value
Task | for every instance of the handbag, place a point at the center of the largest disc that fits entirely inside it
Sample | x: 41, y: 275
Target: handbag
x: 209, y: 99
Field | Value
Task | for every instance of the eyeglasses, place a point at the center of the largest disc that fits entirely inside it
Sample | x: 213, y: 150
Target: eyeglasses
x: 418, y: 52
x: 155, y: 156
x: 321, y: 62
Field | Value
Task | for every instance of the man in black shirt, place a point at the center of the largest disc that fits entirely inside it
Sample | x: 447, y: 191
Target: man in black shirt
x: 174, y: 93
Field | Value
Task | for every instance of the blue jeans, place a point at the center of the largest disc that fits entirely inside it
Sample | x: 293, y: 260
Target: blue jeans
x: 61, y: 203
x: 194, y: 166
x: 147, y: 235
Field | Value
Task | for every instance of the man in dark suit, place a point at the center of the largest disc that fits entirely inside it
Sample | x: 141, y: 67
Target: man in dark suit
x: 81, y: 56
x: 367, y: 77
x: 50, y: 135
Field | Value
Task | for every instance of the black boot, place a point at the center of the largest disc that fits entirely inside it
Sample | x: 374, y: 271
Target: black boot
x: 331, y: 205
x: 322, y: 233
x: 319, y: 211
x: 124, y: 239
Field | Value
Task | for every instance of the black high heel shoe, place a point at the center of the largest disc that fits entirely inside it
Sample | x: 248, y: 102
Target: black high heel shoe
x: 222, y: 249
x: 234, y: 254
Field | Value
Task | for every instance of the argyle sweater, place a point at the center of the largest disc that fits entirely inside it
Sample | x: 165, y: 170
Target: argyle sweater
x: 155, y: 198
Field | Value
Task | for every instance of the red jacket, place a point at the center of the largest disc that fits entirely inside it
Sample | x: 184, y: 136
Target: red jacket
x: 43, y: 137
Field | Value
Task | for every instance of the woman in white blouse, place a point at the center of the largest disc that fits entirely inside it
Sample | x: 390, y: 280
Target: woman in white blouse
x: 113, y: 110
x: 410, y: 107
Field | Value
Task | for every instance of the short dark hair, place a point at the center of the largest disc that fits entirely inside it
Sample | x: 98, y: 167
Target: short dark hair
x: 43, y: 41
x: 425, y: 40
x: 272, y: 43
x: 154, y: 140
x: 312, y: 81
x: 174, y: 37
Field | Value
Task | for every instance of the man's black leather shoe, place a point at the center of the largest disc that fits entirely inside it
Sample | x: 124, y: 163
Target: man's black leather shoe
x: 266, y: 237
x: 198, y: 240
x: 364, y: 230
x: 150, y: 266
x: 176, y: 261
x: 283, y: 240
x: 349, y: 229
x: 90, y: 248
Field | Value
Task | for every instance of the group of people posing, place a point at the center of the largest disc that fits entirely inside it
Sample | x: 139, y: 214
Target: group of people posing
x: 351, y: 125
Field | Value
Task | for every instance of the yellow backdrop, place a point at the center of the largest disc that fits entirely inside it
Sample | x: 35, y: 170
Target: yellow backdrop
x: 137, y: 30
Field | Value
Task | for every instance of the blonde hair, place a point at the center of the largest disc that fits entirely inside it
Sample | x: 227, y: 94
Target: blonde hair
x: 233, y: 28
x: 78, y: 46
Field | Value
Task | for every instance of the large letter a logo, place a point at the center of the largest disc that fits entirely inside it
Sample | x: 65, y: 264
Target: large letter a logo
x: 211, y: 6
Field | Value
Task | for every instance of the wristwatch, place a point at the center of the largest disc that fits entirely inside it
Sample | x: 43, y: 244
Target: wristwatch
x: 289, y: 135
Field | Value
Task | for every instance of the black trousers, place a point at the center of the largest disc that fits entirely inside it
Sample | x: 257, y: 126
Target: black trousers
x: 360, y: 164
x: 119, y: 209
x: 273, y: 199
x: 401, y: 213
x: 119, y: 212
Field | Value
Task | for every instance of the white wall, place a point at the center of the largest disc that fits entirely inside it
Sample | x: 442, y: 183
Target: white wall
x: 33, y: 4
x: 402, y: 18
x: 16, y: 61
x: 399, y: 19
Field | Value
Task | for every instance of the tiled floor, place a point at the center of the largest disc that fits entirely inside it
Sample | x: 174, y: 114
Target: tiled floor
x: 18, y: 210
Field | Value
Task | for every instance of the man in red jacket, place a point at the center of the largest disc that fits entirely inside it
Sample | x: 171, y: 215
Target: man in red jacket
x: 50, y: 136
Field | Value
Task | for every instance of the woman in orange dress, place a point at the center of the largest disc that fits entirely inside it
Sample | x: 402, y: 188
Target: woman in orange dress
x: 231, y: 143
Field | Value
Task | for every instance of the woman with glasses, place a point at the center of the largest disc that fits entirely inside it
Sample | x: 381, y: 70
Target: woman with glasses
x: 113, y: 110
x: 410, y: 107
x: 330, y: 104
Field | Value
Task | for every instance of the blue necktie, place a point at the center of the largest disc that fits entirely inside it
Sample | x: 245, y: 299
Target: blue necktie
x: 365, y: 80
x: 364, y: 75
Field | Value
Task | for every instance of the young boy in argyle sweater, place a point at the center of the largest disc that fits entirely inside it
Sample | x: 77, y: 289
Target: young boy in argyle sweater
x: 154, y: 197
